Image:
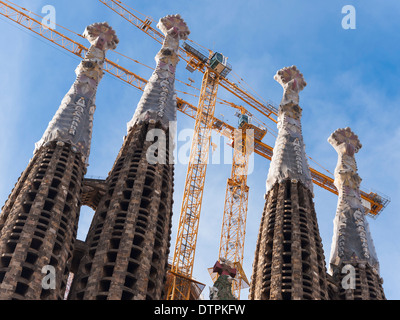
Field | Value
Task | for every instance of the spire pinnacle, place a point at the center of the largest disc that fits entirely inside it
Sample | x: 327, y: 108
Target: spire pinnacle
x: 174, y: 26
x: 345, y: 141
x: 73, y: 120
x: 352, y: 241
x: 158, y: 102
x: 292, y: 82
x: 101, y: 35
x: 289, y: 159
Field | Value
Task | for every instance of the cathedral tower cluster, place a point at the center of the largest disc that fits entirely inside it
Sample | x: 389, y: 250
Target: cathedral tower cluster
x: 125, y: 254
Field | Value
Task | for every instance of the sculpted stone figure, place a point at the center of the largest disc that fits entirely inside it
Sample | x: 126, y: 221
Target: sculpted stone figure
x: 222, y: 288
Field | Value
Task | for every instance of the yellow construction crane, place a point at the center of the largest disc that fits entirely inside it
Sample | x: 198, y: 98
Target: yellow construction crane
x: 185, y: 246
x: 373, y: 202
x: 231, y: 247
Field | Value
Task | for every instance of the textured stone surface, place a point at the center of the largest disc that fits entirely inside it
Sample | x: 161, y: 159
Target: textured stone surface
x: 73, y: 121
x: 289, y: 261
x: 129, y: 236
x: 289, y: 159
x: 352, y: 241
x: 92, y: 192
x: 39, y: 223
x: 39, y: 220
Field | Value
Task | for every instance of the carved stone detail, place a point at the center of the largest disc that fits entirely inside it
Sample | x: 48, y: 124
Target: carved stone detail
x: 73, y: 121
x: 222, y: 288
x: 292, y: 82
x: 289, y: 159
x: 352, y: 240
x: 161, y: 85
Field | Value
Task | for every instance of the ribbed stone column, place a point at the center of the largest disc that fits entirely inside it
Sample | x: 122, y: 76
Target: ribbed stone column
x: 353, y: 261
x: 39, y: 221
x: 289, y: 260
x: 129, y: 237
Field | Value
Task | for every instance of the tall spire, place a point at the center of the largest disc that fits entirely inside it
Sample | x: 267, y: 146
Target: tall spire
x: 158, y: 101
x: 352, y: 241
x: 289, y: 261
x: 39, y: 221
x: 289, y: 159
x: 129, y: 237
x: 73, y: 121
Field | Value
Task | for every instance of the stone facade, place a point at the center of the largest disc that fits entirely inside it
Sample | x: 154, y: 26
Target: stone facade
x: 125, y: 255
x: 39, y: 224
x: 289, y: 261
x: 222, y: 289
x: 128, y: 241
x: 40, y: 218
x: 353, y: 262
x: 129, y: 238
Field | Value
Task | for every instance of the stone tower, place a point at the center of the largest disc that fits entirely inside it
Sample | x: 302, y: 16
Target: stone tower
x: 353, y: 261
x: 129, y: 238
x: 39, y: 221
x: 289, y: 261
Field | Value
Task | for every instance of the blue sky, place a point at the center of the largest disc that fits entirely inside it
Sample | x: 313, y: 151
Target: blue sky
x: 352, y: 78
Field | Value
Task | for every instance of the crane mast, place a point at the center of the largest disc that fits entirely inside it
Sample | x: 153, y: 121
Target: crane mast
x: 186, y: 239
x: 231, y: 248
x: 233, y: 230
